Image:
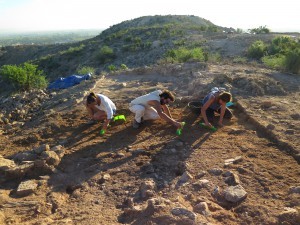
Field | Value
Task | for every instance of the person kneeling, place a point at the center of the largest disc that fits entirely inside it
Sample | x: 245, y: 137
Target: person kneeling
x: 100, y: 108
x: 153, y: 106
x: 216, y: 101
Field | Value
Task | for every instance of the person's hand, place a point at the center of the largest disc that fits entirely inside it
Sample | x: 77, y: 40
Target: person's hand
x: 178, y: 125
x: 208, y: 124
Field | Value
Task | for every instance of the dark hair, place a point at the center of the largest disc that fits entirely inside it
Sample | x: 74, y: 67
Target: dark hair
x: 167, y: 94
x: 91, y: 98
x: 225, y: 96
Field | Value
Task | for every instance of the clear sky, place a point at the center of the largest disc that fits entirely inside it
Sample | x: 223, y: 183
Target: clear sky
x: 33, y: 15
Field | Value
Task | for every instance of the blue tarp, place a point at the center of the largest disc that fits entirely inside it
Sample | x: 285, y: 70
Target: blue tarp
x: 62, y: 83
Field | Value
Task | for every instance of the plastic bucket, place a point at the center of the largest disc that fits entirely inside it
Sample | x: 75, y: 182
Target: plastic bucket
x: 195, y: 106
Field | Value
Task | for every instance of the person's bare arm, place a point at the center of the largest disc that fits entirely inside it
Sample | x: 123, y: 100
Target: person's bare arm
x: 166, y: 110
x: 157, y: 106
x: 203, y: 110
x: 222, y: 113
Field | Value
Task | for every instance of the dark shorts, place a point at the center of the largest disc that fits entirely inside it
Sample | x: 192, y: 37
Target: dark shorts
x: 210, y: 113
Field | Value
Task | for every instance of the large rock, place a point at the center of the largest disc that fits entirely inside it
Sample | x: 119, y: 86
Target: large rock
x: 235, y: 193
x: 26, y: 188
x: 6, y: 164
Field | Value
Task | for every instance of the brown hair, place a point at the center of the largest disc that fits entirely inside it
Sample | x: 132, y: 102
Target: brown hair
x: 91, y: 98
x: 167, y: 94
x: 225, y: 97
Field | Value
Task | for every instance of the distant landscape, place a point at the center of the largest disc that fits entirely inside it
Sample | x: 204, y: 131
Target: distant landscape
x: 46, y: 37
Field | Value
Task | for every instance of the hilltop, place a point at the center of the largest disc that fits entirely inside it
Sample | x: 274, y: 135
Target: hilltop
x: 55, y: 168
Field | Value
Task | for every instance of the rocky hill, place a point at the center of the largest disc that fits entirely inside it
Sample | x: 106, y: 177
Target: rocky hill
x: 138, y: 42
x: 55, y: 168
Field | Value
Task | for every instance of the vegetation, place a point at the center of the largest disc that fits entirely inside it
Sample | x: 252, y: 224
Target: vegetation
x: 257, y: 50
x: 23, y: 77
x: 85, y: 70
x: 283, y: 53
x: 260, y: 30
x: 183, y: 54
x: 106, y: 54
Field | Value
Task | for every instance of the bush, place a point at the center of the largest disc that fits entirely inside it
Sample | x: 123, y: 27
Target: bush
x: 106, y: 54
x: 85, y: 70
x: 292, y: 61
x: 257, y: 50
x: 112, y: 68
x: 184, y: 55
x: 274, y: 61
x: 260, y: 30
x: 23, y: 77
x: 124, y: 67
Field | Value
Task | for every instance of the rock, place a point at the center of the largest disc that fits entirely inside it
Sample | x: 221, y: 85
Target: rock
x: 236, y: 131
x: 216, y: 171
x: 290, y: 131
x: 41, y: 149
x: 295, y: 190
x: 186, y: 176
x: 202, y: 208
x: 296, y: 116
x: 6, y: 164
x: 184, y: 212
x: 200, y: 174
x: 51, y: 158
x: 233, y: 161
x: 232, y: 180
x: 289, y: 216
x: 25, y: 156
x: 147, y: 189
x: 179, y: 144
x: 235, y: 193
x: 270, y: 127
x: 266, y: 104
x: 201, y: 183
x: 26, y: 188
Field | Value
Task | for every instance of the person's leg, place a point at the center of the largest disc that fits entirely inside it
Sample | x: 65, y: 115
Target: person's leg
x: 139, y: 112
x: 99, y: 115
x: 210, y: 114
x: 151, y: 114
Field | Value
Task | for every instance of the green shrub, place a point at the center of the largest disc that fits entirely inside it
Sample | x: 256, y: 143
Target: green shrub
x: 274, y: 61
x: 106, y: 54
x: 85, y: 70
x: 292, y: 61
x: 124, y: 67
x: 282, y: 45
x: 23, y: 77
x: 260, y: 30
x: 184, y: 55
x: 257, y: 50
x: 112, y: 68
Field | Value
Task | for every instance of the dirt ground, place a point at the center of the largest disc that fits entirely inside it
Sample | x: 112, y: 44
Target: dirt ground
x: 152, y: 176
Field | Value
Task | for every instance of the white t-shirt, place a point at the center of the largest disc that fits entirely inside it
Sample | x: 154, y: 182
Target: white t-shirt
x: 107, y: 105
x: 143, y: 100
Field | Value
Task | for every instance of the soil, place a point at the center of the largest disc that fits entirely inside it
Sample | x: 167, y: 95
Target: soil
x: 103, y: 179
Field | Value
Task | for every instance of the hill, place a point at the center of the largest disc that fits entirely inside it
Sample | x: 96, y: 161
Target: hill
x: 55, y: 168
x: 134, y: 43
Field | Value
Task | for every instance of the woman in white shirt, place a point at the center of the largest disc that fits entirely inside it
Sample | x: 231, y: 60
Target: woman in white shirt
x: 100, y: 107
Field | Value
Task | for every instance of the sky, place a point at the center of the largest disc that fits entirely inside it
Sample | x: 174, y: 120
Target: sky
x: 46, y: 15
